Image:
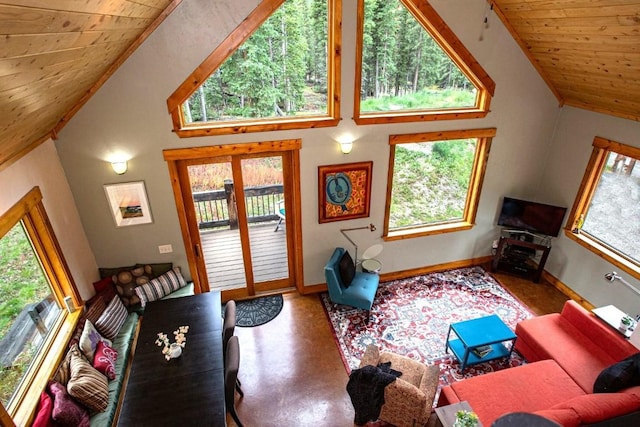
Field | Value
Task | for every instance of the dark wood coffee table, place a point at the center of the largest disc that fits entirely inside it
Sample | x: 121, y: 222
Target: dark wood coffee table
x: 185, y: 391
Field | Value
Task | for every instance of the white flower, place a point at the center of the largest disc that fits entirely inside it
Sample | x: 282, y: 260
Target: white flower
x: 179, y: 336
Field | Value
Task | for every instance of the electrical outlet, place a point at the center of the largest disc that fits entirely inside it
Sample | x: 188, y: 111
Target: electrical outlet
x: 165, y: 249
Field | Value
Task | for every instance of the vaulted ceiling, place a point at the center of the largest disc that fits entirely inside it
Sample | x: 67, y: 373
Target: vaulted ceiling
x: 55, y: 54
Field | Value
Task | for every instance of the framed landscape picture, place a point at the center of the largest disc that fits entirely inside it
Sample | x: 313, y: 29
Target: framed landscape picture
x: 344, y: 191
x: 128, y: 203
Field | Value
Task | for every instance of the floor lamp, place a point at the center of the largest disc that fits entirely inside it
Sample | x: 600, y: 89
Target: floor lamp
x: 371, y: 228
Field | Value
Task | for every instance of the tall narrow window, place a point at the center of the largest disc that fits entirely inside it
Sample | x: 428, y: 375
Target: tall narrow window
x: 34, y: 329
x: 410, y: 66
x: 28, y: 310
x: 434, y: 181
x: 278, y: 70
x: 606, y: 214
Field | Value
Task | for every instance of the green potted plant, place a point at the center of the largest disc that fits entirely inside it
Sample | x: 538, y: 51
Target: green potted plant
x: 466, y: 419
x: 626, y: 322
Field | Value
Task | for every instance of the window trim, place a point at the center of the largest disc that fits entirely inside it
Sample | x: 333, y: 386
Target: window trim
x: 234, y: 40
x: 30, y: 210
x: 426, y: 15
x: 597, y: 162
x: 476, y: 179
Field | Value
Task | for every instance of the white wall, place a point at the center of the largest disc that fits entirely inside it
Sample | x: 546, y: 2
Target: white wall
x: 129, y: 113
x: 574, y: 265
x: 42, y: 168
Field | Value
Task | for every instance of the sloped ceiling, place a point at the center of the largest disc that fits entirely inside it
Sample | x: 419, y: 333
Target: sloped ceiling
x: 588, y: 51
x: 54, y: 54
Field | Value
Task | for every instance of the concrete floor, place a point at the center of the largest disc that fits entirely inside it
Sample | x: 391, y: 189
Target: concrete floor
x: 291, y: 370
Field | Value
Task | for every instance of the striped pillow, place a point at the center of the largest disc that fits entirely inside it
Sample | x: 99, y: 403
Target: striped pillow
x: 86, y: 385
x: 161, y: 286
x: 111, y: 320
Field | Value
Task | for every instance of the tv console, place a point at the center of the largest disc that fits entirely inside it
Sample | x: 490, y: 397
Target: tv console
x: 521, y: 253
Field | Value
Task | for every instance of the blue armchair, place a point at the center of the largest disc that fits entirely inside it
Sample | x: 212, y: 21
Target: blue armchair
x: 360, y: 293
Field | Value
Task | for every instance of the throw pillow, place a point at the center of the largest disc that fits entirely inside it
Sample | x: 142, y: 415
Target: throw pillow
x: 126, y: 282
x: 158, y: 269
x: 105, y: 360
x: 104, y: 288
x: 347, y: 269
x: 44, y: 411
x: 66, y: 412
x: 89, y: 340
x: 160, y: 286
x: 63, y: 373
x: 112, y: 271
x: 88, y: 386
x: 93, y: 313
x: 112, y: 319
x: 623, y: 374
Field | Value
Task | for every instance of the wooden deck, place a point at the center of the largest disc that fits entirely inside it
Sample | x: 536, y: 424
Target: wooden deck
x: 223, y: 255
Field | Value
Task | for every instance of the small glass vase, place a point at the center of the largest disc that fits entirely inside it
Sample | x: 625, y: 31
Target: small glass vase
x: 175, y: 350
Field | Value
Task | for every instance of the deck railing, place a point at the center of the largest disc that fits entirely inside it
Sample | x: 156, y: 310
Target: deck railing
x: 218, y: 208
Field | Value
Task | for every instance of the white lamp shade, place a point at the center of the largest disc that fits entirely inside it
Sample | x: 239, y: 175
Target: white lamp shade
x: 119, y: 167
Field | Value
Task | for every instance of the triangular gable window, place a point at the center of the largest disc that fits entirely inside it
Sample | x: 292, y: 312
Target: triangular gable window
x: 278, y: 70
x: 411, y: 67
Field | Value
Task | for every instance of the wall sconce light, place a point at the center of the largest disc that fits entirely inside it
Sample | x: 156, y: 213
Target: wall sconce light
x: 119, y: 167
x: 613, y: 276
x: 371, y: 228
x: 346, y: 143
x: 346, y: 146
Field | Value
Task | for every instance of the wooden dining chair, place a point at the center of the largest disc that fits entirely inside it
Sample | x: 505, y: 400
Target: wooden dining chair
x: 229, y: 325
x: 231, y: 366
x: 228, y: 328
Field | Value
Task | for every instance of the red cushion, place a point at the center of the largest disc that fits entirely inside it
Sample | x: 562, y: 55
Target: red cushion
x: 526, y: 388
x: 104, y: 288
x: 44, y: 411
x: 565, y: 417
x: 105, y: 360
x: 66, y: 411
x: 593, y: 408
x: 553, y: 337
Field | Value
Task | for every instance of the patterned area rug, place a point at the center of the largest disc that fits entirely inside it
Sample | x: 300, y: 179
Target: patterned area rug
x: 258, y: 311
x: 411, y: 317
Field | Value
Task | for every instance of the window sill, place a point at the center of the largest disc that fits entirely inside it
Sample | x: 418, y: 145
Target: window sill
x: 604, y: 252
x: 23, y: 408
x: 410, y: 233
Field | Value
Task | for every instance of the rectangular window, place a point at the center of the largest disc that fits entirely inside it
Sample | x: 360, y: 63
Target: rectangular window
x: 434, y: 181
x: 606, y: 215
x: 34, y: 329
x: 28, y: 310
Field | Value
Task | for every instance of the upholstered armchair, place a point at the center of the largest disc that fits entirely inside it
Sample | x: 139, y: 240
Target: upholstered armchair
x: 409, y: 399
x: 362, y: 288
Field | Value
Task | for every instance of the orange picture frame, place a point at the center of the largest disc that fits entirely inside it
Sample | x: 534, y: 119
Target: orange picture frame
x: 344, y: 191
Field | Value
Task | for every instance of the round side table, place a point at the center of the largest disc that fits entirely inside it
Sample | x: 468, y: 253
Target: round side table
x: 371, y: 266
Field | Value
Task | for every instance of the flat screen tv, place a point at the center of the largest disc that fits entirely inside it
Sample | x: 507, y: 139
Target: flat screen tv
x: 536, y: 218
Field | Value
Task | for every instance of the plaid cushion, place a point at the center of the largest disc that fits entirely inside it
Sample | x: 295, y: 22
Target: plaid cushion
x: 111, y: 320
x: 163, y: 285
x: 88, y: 386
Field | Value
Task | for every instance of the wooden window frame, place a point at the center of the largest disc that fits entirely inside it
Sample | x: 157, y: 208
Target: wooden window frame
x: 453, y: 47
x: 597, y: 162
x: 484, y: 137
x: 30, y: 210
x: 237, y: 37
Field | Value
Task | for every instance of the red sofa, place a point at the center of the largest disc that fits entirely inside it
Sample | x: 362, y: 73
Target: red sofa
x: 566, y: 352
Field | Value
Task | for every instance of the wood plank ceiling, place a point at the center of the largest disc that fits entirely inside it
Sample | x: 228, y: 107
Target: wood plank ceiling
x: 54, y: 54
x: 588, y: 51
